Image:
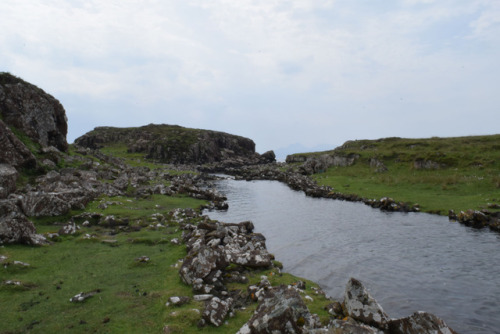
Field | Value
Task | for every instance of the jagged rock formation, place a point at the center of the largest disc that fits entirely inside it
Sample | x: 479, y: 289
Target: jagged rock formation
x: 13, y: 151
x: 33, y: 112
x: 40, y: 121
x: 175, y: 144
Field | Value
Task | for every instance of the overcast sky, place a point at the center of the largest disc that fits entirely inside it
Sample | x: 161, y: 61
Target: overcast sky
x: 279, y: 72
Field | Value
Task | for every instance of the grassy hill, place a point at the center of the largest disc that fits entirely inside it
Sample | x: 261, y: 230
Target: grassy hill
x: 438, y: 173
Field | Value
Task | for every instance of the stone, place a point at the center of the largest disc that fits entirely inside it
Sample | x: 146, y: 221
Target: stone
x: 216, y: 310
x: 68, y: 229
x: 34, y: 112
x: 425, y: 164
x: 346, y: 327
x: 201, y: 264
x: 38, y: 204
x: 200, y: 298
x: 13, y: 151
x: 82, y: 296
x: 280, y: 311
x: 335, y: 309
x: 8, y: 178
x: 419, y: 323
x: 143, y: 259
x: 178, y: 301
x: 15, y: 227
x: 361, y: 306
x: 268, y: 157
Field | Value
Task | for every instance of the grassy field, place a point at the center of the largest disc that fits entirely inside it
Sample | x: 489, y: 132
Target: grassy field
x: 464, y: 173
x: 131, y: 294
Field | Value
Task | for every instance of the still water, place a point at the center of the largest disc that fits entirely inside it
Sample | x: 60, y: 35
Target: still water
x: 409, y: 262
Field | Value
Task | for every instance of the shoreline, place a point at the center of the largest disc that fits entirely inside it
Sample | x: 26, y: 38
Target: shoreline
x: 272, y: 172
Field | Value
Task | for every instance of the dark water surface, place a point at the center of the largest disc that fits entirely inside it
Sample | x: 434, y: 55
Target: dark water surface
x: 409, y: 262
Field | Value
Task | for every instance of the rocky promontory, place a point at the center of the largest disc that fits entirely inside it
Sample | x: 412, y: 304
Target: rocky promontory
x: 178, y: 145
x: 33, y: 112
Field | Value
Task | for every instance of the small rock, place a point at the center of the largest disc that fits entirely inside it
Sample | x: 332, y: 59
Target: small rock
x: 21, y: 264
x: 82, y: 296
x: 143, y: 259
x: 178, y: 301
x: 204, y: 297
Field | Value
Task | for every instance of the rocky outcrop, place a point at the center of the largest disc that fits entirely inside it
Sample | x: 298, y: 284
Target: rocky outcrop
x: 477, y: 219
x: 33, y: 112
x: 212, y: 246
x: 13, y: 151
x: 15, y: 227
x: 8, y: 178
x: 420, y: 323
x: 426, y: 164
x: 175, y: 144
x: 281, y: 310
x: 313, y: 164
x: 361, y: 306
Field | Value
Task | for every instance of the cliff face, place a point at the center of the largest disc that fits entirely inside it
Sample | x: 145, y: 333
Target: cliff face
x: 32, y: 111
x: 173, y: 144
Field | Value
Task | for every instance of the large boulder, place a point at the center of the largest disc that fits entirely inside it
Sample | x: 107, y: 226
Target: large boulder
x: 32, y: 111
x: 282, y: 310
x: 15, y: 227
x: 419, y: 323
x: 8, y: 178
x: 202, y: 263
x: 319, y: 164
x: 361, y: 306
x: 13, y: 151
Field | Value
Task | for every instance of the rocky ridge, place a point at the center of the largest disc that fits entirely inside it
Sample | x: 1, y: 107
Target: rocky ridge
x: 178, y: 145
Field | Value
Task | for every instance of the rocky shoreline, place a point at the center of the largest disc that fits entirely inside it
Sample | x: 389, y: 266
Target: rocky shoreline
x: 218, y: 253
x: 221, y: 253
x: 301, y: 182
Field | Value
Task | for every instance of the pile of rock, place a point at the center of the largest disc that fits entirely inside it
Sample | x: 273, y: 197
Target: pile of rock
x: 477, y: 219
x: 282, y: 310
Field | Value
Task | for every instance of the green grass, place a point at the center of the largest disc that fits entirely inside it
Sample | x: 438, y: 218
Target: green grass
x: 468, y: 176
x: 132, y: 294
x: 126, y: 207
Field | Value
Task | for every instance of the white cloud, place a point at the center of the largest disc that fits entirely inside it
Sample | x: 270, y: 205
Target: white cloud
x: 255, y: 66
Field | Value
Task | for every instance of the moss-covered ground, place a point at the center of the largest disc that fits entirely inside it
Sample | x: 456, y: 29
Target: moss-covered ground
x: 467, y: 173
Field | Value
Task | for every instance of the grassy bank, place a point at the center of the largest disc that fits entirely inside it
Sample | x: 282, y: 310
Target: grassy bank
x: 437, y: 173
x: 130, y: 294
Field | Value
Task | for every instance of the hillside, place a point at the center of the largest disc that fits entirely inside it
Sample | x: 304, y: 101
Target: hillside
x: 437, y: 173
x: 175, y: 144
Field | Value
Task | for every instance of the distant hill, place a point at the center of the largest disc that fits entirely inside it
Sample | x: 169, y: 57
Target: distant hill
x: 176, y: 144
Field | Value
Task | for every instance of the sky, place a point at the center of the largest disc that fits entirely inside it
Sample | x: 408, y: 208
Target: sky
x: 291, y: 75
